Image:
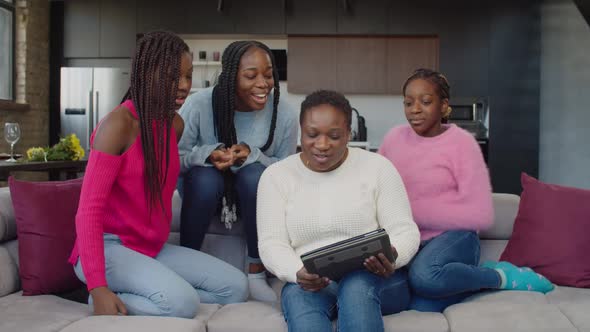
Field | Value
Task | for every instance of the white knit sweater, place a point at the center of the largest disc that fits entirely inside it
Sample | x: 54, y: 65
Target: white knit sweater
x: 300, y: 210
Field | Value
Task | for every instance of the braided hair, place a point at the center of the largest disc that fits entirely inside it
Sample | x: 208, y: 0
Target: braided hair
x: 439, y: 80
x: 224, y: 105
x: 154, y: 83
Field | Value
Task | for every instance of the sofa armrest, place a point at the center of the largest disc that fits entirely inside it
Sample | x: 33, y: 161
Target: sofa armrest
x: 505, y: 210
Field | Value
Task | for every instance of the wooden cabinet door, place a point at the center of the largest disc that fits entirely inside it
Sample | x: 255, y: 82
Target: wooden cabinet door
x: 357, y: 65
x: 261, y: 16
x: 311, y: 17
x: 162, y: 15
x: 406, y: 55
x: 118, y: 22
x: 311, y: 64
x: 81, y: 29
x: 206, y: 17
x: 363, y: 17
x: 361, y: 65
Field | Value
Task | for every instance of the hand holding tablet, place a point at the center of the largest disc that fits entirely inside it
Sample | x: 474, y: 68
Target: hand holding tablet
x: 335, y: 260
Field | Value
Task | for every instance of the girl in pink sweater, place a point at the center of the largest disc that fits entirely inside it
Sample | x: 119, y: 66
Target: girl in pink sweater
x: 125, y: 209
x: 450, y: 193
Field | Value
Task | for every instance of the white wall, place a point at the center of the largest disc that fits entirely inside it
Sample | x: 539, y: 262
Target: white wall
x: 565, y: 91
x: 381, y: 112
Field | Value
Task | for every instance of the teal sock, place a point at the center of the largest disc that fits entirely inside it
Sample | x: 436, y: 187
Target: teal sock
x: 522, y: 278
x: 502, y: 278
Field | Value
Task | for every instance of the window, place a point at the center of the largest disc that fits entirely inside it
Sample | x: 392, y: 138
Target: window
x: 6, y: 50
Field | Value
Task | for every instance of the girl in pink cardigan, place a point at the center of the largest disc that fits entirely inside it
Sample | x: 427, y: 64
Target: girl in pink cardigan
x: 450, y: 193
x: 125, y: 209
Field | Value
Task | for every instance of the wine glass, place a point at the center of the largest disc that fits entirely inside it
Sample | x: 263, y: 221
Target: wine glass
x: 11, y: 135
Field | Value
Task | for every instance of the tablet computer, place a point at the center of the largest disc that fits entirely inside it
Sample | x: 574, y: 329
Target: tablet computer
x: 335, y: 260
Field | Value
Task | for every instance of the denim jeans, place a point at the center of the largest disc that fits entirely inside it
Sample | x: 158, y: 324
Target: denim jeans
x: 445, y: 271
x: 202, y: 189
x: 358, y: 300
x: 171, y: 284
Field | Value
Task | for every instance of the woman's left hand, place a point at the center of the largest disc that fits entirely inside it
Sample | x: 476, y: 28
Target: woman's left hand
x: 380, y: 265
x: 241, y: 152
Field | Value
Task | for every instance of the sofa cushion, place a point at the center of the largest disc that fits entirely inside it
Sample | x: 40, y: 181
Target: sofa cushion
x: 7, y: 223
x: 45, y: 216
x: 248, y: 316
x: 38, y: 313
x: 491, y: 249
x: 9, y: 282
x: 415, y: 321
x: 551, y: 232
x: 574, y: 303
x: 505, y: 210
x: 258, y: 316
x: 135, y: 324
x: 499, y: 297
x: 507, y: 311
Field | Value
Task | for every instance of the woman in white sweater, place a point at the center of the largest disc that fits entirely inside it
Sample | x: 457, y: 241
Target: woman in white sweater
x: 325, y: 194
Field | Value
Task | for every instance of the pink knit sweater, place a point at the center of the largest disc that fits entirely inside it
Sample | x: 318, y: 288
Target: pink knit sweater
x: 445, y: 176
x: 113, y: 200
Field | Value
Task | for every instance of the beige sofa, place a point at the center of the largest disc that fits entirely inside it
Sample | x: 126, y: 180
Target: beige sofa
x: 564, y: 309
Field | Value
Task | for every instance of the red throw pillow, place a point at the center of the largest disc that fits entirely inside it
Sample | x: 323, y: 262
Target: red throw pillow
x: 45, y: 215
x: 551, y: 232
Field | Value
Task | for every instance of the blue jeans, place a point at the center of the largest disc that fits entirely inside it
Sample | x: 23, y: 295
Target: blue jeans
x: 359, y: 300
x: 445, y: 271
x: 171, y: 284
x: 202, y: 190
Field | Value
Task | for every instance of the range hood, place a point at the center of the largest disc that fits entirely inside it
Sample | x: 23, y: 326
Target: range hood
x: 584, y: 7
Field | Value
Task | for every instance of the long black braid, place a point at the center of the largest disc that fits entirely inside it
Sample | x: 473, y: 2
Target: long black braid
x: 224, y: 105
x: 154, y: 84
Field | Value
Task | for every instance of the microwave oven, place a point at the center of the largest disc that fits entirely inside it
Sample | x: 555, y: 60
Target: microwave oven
x: 471, y: 114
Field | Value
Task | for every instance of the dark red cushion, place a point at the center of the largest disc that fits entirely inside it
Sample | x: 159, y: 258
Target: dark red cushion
x: 551, y: 232
x: 45, y: 215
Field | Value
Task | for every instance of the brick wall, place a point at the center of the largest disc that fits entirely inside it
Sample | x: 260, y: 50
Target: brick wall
x: 32, y: 81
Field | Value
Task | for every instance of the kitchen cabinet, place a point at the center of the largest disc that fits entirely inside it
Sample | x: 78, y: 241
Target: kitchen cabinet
x: 357, y: 65
x: 117, y: 28
x: 426, y: 17
x: 99, y: 28
x: 361, y: 65
x: 406, y: 54
x: 260, y: 17
x: 363, y: 17
x: 206, y: 17
x: 311, y: 64
x: 81, y: 28
x: 311, y: 17
x: 161, y: 15
x: 185, y: 16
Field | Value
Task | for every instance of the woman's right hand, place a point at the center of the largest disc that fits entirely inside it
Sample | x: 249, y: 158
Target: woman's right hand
x: 106, y: 302
x: 311, y: 282
x: 221, y: 159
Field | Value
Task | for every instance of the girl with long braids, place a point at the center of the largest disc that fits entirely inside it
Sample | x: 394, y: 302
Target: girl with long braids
x: 124, y: 214
x: 451, y: 197
x: 233, y: 132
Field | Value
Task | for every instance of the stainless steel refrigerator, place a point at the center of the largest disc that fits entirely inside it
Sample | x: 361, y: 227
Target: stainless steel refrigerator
x: 87, y: 95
